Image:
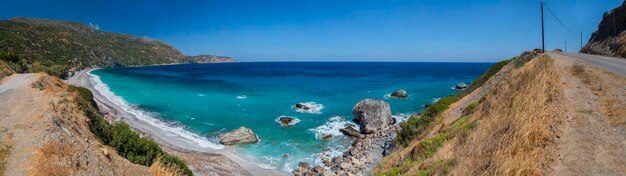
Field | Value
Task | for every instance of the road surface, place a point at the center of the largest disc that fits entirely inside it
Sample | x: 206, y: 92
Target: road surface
x: 14, y: 81
x: 613, y: 64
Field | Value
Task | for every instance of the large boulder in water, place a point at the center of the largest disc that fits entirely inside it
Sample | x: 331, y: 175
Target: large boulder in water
x: 399, y: 94
x: 285, y: 121
x: 241, y: 135
x: 303, y: 106
x: 372, y: 115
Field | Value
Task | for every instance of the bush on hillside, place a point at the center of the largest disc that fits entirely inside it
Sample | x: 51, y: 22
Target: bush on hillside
x: 120, y: 136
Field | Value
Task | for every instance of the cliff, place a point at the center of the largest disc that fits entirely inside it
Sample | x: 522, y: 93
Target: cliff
x: 609, y: 39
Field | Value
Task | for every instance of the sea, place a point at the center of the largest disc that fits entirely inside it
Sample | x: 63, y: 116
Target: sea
x: 209, y: 99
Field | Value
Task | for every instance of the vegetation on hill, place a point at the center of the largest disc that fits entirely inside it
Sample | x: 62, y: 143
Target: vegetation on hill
x: 418, y: 123
x: 434, y: 144
x: 5, y: 70
x: 127, y: 142
x: 57, y: 47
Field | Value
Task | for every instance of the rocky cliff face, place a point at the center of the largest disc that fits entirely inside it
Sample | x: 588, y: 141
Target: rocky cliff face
x: 210, y: 59
x: 610, y: 38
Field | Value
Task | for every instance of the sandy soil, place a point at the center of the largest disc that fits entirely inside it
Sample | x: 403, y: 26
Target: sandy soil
x: 202, y: 160
x: 592, y: 138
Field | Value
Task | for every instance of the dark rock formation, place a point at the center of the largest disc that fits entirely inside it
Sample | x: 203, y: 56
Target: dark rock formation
x: 609, y: 39
x: 399, y: 94
x: 285, y: 121
x: 350, y: 131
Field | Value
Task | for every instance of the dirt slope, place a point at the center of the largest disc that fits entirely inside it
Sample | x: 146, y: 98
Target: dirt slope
x: 43, y: 133
x: 544, y: 117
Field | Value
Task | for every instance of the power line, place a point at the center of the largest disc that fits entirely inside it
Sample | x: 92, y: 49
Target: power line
x: 557, y: 19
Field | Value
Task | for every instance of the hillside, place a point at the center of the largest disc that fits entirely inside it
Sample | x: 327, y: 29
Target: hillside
x: 56, y: 47
x: 603, y: 41
x: 211, y: 59
x: 538, y: 115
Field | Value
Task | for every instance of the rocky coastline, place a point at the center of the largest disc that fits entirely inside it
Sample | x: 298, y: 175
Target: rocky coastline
x: 373, y: 142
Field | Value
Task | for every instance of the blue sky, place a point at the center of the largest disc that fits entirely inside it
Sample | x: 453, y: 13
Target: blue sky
x: 335, y: 30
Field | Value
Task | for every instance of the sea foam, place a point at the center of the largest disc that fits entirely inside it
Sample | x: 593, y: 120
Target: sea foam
x: 332, y: 127
x: 315, y: 108
x: 147, y: 117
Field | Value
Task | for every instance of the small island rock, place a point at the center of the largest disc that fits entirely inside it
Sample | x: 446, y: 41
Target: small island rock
x: 399, y: 94
x: 242, y: 135
x: 285, y: 121
x: 460, y: 86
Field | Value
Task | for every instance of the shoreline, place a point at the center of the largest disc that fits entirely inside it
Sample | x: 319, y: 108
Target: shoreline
x: 170, y: 140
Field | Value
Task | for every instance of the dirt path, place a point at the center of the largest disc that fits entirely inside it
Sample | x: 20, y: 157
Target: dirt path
x: 47, y: 135
x: 592, y: 137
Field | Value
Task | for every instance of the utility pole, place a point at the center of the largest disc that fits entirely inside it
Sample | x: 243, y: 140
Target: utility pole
x: 566, y: 46
x: 581, y: 41
x: 543, y: 44
x: 614, y: 29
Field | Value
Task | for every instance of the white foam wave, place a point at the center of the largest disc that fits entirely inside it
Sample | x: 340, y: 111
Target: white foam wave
x: 293, y: 122
x: 401, y: 117
x: 104, y: 90
x: 242, y: 96
x: 435, y: 99
x: 387, y: 96
x: 332, y: 127
x: 201, y: 95
x: 314, y: 108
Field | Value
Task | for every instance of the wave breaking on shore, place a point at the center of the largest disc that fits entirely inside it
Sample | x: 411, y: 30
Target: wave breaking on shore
x: 147, y: 117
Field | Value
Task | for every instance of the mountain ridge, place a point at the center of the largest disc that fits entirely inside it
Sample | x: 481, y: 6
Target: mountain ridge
x: 63, y: 46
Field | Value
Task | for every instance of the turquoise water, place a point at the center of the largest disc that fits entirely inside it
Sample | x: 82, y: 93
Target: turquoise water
x: 208, y: 99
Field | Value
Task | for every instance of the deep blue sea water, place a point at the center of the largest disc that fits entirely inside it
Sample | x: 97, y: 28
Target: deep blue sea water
x: 208, y: 99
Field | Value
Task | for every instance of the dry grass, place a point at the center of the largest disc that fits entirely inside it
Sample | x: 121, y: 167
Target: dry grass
x: 5, y: 150
x: 52, y: 159
x: 160, y: 169
x: 514, y: 128
x: 50, y: 84
x: 506, y: 133
x: 614, y: 114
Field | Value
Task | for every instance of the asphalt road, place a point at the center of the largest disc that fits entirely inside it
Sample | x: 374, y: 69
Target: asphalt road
x: 614, y: 64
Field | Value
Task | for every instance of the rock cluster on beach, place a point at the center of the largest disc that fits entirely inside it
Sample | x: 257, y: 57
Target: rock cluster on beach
x: 400, y: 94
x: 373, y: 141
x: 241, y: 135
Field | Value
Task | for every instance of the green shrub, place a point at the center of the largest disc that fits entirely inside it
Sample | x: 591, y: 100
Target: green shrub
x: 120, y: 136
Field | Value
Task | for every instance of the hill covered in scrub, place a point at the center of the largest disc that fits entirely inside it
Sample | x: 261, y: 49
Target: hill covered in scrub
x: 50, y: 128
x: 536, y: 114
x: 609, y: 39
x: 56, y: 47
